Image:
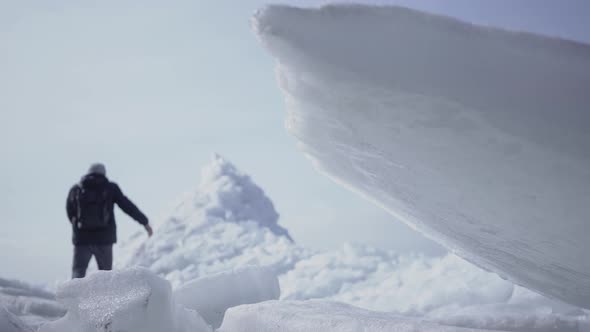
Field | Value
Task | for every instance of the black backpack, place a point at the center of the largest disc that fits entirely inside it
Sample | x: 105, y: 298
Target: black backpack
x: 93, y: 205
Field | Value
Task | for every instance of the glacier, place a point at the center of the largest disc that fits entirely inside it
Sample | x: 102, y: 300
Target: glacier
x: 476, y: 136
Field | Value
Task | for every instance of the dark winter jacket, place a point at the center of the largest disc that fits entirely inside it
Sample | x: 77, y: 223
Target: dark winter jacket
x: 108, y: 235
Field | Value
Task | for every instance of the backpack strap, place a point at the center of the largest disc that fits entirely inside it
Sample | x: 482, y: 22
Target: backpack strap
x: 78, y: 189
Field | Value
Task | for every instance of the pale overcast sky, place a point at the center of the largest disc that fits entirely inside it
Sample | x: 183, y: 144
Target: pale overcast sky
x: 152, y: 89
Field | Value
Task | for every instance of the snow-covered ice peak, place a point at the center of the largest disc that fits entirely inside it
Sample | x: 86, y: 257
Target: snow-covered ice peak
x: 476, y: 136
x: 228, y: 195
x: 227, y: 222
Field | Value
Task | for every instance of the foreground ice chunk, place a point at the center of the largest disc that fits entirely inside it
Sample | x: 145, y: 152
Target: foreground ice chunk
x: 133, y: 300
x: 211, y: 296
x: 304, y: 316
x: 475, y: 136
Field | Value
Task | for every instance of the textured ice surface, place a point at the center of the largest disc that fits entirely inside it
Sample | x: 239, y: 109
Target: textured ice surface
x: 211, y: 296
x: 475, y: 136
x: 131, y: 300
x: 296, y: 316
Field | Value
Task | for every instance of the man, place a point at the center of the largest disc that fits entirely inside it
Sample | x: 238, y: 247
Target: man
x: 90, y: 208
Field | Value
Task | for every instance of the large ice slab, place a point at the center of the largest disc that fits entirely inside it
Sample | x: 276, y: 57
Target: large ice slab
x: 475, y: 136
x: 211, y: 296
x: 303, y: 316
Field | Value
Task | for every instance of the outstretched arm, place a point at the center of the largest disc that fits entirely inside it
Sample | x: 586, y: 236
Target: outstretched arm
x: 128, y: 207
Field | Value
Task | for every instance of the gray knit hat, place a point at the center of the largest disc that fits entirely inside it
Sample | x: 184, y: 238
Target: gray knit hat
x: 97, y: 168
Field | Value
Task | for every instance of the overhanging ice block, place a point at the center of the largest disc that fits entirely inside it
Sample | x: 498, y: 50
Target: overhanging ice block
x: 475, y: 136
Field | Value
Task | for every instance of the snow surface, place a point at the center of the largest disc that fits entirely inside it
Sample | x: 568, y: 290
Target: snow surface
x: 475, y: 136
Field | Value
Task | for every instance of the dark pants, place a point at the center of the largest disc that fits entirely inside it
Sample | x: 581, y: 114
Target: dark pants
x: 82, y: 255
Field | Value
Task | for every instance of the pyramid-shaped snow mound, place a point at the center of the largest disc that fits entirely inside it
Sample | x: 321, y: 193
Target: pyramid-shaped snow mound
x: 226, y: 194
x: 225, y: 223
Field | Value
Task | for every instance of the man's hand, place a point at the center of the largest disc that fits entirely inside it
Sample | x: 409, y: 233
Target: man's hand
x: 149, y: 230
